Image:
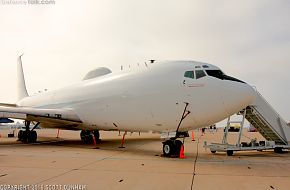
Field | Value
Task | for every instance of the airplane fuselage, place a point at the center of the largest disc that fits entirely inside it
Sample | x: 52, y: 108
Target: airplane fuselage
x: 150, y: 99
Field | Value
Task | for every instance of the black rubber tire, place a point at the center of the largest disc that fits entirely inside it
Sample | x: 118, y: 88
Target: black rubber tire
x: 20, y: 135
x: 86, y: 136
x: 168, y: 148
x: 32, y: 137
x: 97, y: 135
x: 82, y: 135
x: 171, y: 148
x: 230, y: 152
x: 177, y: 146
x: 278, y: 150
x: 213, y: 151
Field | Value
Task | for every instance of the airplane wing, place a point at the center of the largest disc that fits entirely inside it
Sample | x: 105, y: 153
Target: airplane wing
x: 49, y: 118
x: 8, y: 105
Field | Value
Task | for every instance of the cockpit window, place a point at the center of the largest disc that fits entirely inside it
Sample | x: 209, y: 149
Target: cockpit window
x: 199, y: 74
x: 205, y: 66
x: 220, y: 75
x: 216, y: 73
x: 189, y: 74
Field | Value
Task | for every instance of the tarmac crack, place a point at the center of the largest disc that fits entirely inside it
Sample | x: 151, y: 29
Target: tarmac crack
x: 195, y: 161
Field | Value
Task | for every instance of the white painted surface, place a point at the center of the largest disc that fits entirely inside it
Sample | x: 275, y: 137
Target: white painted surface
x: 148, y: 99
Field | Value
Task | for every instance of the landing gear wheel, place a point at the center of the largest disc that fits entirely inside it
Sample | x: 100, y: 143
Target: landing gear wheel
x: 230, y: 152
x: 177, y: 146
x: 278, y: 150
x: 86, y: 136
x: 168, y: 148
x: 31, y: 137
x: 27, y: 136
x: 21, y: 135
x: 171, y: 148
x: 213, y: 151
x: 97, y: 135
x: 82, y: 135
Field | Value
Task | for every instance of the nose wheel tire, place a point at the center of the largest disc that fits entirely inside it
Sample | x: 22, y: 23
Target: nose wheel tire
x: 171, y: 148
x: 167, y: 149
x: 278, y: 150
x: 230, y: 152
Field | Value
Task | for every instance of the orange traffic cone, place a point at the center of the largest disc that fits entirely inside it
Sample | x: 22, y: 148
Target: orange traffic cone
x: 57, y: 135
x: 192, y: 136
x: 123, y: 140
x: 181, y: 154
x: 94, y: 140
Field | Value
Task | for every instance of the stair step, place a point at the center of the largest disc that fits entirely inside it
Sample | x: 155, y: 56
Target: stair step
x: 265, y: 129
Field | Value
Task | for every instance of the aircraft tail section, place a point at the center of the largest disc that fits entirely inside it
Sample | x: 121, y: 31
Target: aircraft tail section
x: 22, y: 91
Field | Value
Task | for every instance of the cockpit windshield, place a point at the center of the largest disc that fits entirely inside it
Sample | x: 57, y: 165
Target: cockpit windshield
x: 220, y: 75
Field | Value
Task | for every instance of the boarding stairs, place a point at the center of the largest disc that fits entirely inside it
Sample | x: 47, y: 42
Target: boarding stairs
x: 267, y: 121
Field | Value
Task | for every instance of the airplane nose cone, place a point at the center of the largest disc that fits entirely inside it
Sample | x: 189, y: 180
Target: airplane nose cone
x: 237, y: 96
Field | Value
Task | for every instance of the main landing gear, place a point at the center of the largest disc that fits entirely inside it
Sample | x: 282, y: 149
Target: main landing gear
x: 27, y: 135
x: 88, y: 136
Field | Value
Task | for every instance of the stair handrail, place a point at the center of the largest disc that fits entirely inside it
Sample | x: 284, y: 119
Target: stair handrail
x: 255, y: 88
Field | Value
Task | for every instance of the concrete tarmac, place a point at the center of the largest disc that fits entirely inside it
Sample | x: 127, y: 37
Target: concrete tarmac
x: 66, y: 163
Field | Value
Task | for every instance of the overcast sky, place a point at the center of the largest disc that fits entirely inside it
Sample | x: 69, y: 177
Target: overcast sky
x: 248, y: 39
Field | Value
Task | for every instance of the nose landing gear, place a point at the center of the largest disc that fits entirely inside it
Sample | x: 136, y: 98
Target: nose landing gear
x: 171, y: 148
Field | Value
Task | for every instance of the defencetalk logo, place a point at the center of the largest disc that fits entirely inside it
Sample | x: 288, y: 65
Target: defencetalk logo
x: 27, y: 2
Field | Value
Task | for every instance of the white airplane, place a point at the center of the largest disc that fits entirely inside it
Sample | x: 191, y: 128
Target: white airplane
x: 169, y: 97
